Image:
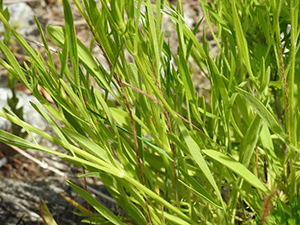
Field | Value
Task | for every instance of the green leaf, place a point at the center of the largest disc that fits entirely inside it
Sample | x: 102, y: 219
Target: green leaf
x: 198, y: 158
x: 50, y: 58
x: 241, y: 40
x: 13, y: 62
x: 56, y: 35
x: 266, y: 116
x: 186, y: 77
x: 186, y: 29
x: 11, y: 139
x: 96, y: 205
x: 250, y: 141
x: 77, y: 101
x: 153, y: 36
x: 155, y: 147
x: 236, y: 167
x: 72, y: 40
x: 87, y: 144
x: 38, y: 60
x: 173, y: 218
x: 198, y: 189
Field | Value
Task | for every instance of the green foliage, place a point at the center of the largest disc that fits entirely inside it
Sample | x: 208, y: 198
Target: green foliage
x: 282, y: 215
x: 13, y: 100
x: 166, y: 155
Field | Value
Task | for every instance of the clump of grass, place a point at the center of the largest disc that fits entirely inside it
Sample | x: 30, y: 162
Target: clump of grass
x: 164, y: 154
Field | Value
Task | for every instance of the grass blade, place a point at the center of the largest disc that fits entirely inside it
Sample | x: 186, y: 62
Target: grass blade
x: 46, y: 215
x: 100, y: 208
x: 236, y: 167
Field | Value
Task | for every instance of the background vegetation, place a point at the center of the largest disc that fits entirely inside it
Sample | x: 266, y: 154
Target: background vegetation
x: 167, y: 155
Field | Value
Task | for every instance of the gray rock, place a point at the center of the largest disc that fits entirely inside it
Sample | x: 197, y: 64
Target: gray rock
x: 19, y: 202
x: 30, y: 115
x: 22, y: 16
x: 191, y: 17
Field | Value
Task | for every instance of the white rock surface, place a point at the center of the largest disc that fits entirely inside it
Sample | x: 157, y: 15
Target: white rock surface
x: 30, y: 115
x: 22, y: 16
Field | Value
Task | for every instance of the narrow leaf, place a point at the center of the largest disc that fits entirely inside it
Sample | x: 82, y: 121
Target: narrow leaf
x: 198, y: 189
x: 99, y: 207
x: 87, y: 144
x: 46, y: 215
x: 70, y: 31
x: 250, y: 140
x: 236, y: 167
x: 198, y: 158
x: 265, y: 115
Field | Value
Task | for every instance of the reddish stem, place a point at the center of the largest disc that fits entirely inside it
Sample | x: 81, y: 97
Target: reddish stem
x: 120, y: 84
x: 171, y: 132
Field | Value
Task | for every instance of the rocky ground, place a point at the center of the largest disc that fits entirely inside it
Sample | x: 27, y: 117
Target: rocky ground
x: 30, y: 175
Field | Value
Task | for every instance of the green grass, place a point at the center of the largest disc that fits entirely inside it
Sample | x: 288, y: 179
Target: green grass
x: 166, y: 155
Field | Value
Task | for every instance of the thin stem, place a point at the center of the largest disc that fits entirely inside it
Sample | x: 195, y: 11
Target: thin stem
x: 256, y: 159
x: 120, y: 84
x: 171, y: 132
x: 276, y: 102
x: 285, y: 89
x: 291, y: 82
x: 177, y: 114
x: 85, y: 188
x: 266, y: 208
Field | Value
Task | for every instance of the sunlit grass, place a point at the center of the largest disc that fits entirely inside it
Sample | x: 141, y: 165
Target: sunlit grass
x: 165, y: 154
